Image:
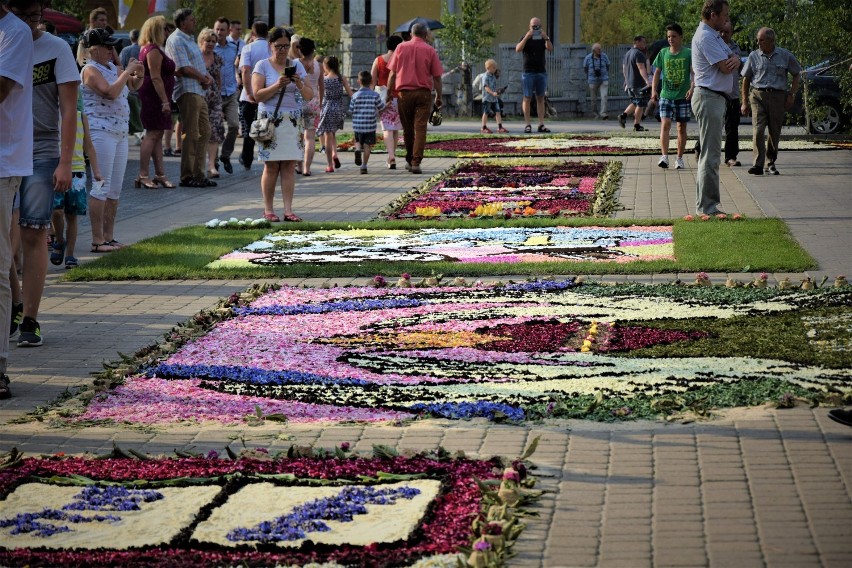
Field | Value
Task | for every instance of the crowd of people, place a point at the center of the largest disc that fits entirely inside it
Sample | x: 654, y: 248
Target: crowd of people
x: 209, y: 85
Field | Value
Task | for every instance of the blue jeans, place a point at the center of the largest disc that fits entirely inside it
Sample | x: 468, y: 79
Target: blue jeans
x: 534, y: 84
x: 36, y: 195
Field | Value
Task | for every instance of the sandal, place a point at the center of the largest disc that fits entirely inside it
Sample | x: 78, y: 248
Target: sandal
x: 292, y: 218
x: 329, y: 170
x: 5, y: 392
x: 336, y: 163
x: 70, y: 262
x: 271, y: 217
x: 306, y: 174
x: 543, y: 128
x: 168, y: 152
x: 116, y: 244
x: 103, y: 247
x: 527, y: 129
x: 164, y: 181
x: 57, y: 253
x: 143, y: 181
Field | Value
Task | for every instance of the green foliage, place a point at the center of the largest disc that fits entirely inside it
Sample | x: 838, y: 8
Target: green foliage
x: 77, y: 8
x: 468, y: 35
x: 316, y: 20
x: 814, y: 30
x: 205, y: 12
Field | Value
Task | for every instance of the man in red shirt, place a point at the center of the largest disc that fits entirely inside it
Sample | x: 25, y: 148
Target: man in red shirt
x: 415, y: 72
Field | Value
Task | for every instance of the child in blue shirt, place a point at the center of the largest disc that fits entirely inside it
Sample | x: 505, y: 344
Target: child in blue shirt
x: 365, y: 106
x: 490, y: 97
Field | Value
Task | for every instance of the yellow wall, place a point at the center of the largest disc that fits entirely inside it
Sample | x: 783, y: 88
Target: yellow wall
x: 231, y: 9
x: 404, y: 10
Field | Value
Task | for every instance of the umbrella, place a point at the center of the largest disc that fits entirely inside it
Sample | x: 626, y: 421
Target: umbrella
x: 65, y: 23
x: 405, y: 27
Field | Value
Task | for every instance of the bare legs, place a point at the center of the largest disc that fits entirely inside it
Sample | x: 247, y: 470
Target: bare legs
x: 272, y: 172
x: 310, y: 148
x: 391, y: 141
x: 152, y: 147
x: 212, y: 158
x: 330, y: 143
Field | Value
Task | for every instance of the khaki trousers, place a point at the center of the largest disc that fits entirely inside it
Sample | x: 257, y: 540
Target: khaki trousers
x: 767, y: 108
x: 196, y: 133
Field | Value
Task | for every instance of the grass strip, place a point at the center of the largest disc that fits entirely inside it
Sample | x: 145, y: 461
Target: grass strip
x: 750, y: 245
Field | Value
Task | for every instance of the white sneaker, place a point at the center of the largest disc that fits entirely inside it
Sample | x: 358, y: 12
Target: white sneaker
x: 664, y: 162
x: 679, y: 165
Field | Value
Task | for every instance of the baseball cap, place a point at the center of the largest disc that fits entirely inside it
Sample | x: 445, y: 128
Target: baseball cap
x: 99, y: 36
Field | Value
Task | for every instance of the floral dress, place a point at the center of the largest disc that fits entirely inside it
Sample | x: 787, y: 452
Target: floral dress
x: 333, y: 112
x: 213, y: 96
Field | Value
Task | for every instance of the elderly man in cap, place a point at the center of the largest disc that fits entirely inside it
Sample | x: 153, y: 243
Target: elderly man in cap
x: 766, y: 71
x: 415, y: 71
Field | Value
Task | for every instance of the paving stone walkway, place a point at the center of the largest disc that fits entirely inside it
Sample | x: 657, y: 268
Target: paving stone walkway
x: 753, y: 487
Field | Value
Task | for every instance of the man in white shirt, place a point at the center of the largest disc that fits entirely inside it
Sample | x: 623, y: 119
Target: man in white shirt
x: 54, y: 107
x: 713, y: 65
x: 254, y: 52
x: 16, y: 141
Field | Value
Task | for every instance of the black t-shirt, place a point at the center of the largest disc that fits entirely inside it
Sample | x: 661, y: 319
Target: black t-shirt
x: 534, y: 51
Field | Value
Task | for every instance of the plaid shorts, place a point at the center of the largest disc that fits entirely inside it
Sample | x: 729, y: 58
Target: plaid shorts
x: 677, y: 110
x: 639, y: 97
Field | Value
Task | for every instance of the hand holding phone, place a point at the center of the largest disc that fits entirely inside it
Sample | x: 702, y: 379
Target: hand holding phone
x: 536, y: 32
x: 290, y: 71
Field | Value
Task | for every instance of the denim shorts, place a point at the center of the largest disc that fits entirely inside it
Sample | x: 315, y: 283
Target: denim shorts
x: 677, y: 110
x: 534, y: 84
x: 36, y: 195
x: 73, y: 201
x: 490, y: 107
x: 639, y: 97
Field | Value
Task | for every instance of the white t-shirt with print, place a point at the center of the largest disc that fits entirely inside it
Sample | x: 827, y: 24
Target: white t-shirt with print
x: 53, y: 65
x: 16, y: 111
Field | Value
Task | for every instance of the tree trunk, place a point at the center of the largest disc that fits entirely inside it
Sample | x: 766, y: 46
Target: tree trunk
x: 464, y: 94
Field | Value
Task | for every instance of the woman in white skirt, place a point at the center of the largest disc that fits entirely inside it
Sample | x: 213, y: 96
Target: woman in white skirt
x: 280, y: 155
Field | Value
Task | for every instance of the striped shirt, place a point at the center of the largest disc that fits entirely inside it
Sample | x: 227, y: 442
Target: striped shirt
x: 183, y: 50
x: 365, y: 107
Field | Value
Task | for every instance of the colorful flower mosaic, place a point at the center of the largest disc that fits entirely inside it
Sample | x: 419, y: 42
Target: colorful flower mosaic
x: 488, y: 245
x: 568, y: 145
x: 533, y: 189
x: 281, y: 511
x: 501, y: 352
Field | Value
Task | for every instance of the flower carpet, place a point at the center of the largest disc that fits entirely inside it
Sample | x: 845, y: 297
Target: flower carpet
x: 508, y: 245
x: 295, y: 508
x: 571, y: 145
x: 504, y: 352
x: 482, y: 189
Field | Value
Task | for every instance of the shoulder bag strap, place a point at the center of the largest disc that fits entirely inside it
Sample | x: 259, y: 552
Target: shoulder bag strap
x: 280, y: 98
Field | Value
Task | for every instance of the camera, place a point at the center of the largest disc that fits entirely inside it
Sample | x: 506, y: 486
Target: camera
x: 597, y: 72
x: 290, y: 71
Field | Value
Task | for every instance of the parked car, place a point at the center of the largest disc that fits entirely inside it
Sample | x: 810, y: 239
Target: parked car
x: 826, y: 110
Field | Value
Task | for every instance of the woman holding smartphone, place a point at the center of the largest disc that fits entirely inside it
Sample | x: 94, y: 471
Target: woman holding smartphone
x: 279, y: 82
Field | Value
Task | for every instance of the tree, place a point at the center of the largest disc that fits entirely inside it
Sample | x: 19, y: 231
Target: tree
x: 76, y: 8
x: 205, y: 12
x: 467, y: 37
x: 317, y: 20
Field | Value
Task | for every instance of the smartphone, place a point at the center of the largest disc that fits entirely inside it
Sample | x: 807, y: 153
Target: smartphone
x: 536, y: 34
x: 290, y: 71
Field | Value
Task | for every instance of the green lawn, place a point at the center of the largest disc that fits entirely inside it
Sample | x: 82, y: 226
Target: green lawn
x: 751, y: 245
